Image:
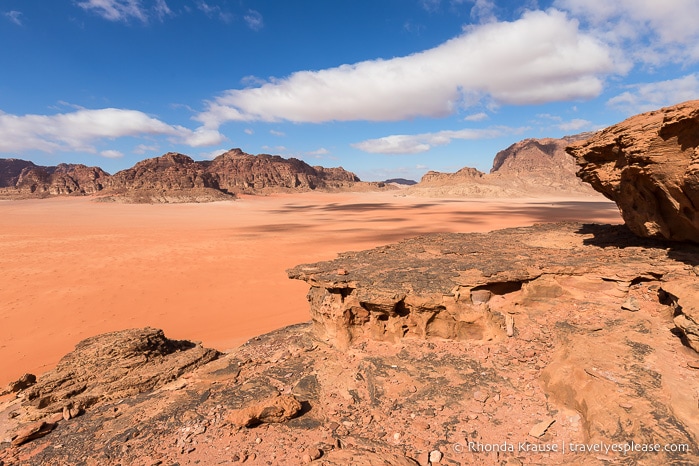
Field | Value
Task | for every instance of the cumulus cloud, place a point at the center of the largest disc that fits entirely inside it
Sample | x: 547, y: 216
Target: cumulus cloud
x: 79, y: 130
x: 653, y: 32
x: 14, y: 16
x: 542, y: 57
x: 276, y: 133
x: 650, y: 96
x: 417, y: 143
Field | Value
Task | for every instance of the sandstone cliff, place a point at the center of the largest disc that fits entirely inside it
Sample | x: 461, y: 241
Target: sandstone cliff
x: 23, y: 178
x: 238, y: 172
x: 531, y: 167
x: 649, y: 165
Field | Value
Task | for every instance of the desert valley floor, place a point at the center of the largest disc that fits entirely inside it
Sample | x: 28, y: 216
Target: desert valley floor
x: 71, y: 268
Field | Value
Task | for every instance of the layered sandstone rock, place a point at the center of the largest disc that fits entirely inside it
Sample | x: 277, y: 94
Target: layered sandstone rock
x: 112, y: 366
x: 176, y: 177
x: 428, y: 372
x: 24, y: 178
x: 238, y: 172
x: 531, y: 167
x: 649, y: 165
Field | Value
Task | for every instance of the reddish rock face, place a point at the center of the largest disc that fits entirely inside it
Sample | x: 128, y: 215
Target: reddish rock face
x: 174, y: 177
x: 649, y: 165
x: 531, y: 167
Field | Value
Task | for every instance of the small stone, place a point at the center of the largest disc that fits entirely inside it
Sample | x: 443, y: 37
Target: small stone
x: 306, y: 458
x: 315, y: 453
x: 33, y: 431
x: 258, y: 440
x: 631, y: 304
x: 480, y: 396
x: 540, y: 429
x: 396, y: 436
x: 693, y: 364
x: 423, y: 459
x: 342, y: 272
x: 435, y: 456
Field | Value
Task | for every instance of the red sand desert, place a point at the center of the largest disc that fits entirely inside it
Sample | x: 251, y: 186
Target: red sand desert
x: 71, y: 268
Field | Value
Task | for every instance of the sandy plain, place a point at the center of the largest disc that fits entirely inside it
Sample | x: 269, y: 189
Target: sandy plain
x: 71, y: 268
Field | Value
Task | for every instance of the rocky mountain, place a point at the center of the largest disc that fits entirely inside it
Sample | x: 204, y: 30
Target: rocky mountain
x: 174, y: 177
x: 26, y: 179
x: 649, y: 165
x: 531, y: 167
x: 238, y: 172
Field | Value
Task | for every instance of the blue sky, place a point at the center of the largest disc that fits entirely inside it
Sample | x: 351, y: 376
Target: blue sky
x: 384, y: 88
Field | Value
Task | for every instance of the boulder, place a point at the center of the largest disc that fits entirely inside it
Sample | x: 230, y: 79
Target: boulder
x: 649, y: 165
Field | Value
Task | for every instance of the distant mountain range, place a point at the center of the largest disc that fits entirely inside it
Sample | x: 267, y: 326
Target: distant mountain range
x: 174, y: 177
x: 532, y: 167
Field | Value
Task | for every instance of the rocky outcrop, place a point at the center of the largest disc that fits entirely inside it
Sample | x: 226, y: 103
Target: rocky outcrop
x: 545, y: 158
x: 23, y: 178
x: 514, y: 347
x: 649, y: 165
x: 531, y: 167
x: 112, y: 366
x: 465, y: 175
x: 170, y: 178
x: 238, y: 172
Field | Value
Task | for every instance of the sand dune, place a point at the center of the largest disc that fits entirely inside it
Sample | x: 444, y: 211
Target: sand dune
x: 71, y: 268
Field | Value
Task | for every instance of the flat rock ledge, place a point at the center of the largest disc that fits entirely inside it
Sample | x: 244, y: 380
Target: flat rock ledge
x: 408, y: 362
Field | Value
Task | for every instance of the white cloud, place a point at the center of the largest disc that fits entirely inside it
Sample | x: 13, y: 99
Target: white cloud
x: 125, y: 10
x: 201, y: 137
x: 254, y: 20
x: 144, y: 148
x: 477, y: 117
x: 574, y: 125
x: 215, y: 11
x: 111, y: 154
x: 161, y: 9
x: 213, y: 154
x: 542, y: 57
x: 14, y: 16
x: 275, y: 148
x: 116, y: 10
x: 249, y: 131
x: 320, y: 151
x: 651, y: 96
x: 417, y: 143
x: 648, y: 31
x: 276, y: 133
x: 81, y: 129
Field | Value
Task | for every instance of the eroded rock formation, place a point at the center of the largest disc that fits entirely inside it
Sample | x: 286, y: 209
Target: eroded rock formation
x: 174, y: 177
x: 649, y: 165
x: 408, y: 358
x: 23, y: 178
x: 531, y: 167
